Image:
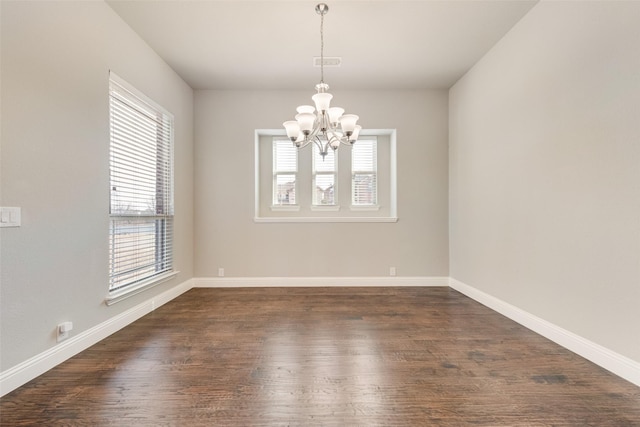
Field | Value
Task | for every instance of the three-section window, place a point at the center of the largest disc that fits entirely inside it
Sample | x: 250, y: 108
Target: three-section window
x: 352, y: 184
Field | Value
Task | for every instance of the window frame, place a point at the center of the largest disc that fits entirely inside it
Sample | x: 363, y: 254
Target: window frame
x: 373, y: 171
x: 315, y: 158
x: 277, y: 173
x: 265, y: 212
x: 159, y: 198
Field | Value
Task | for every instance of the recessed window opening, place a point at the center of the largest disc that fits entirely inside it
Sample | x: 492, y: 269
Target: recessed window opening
x: 141, y: 189
x: 354, y: 184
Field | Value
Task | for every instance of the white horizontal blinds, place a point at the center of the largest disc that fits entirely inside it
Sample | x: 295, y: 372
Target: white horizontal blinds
x: 285, y: 169
x: 324, y: 178
x: 364, y: 176
x: 140, y: 249
x: 141, y: 184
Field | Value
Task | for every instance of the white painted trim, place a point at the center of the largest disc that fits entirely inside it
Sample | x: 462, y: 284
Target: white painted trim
x: 137, y: 93
x: 394, y: 176
x: 264, y: 219
x: 130, y: 291
x: 255, y: 282
x: 364, y: 208
x: 29, y: 369
x: 285, y: 208
x: 325, y: 208
x: 601, y: 356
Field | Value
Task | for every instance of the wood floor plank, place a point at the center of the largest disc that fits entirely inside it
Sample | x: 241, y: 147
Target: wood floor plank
x: 325, y: 357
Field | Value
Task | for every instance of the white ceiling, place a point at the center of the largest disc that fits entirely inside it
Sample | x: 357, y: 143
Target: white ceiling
x: 385, y: 44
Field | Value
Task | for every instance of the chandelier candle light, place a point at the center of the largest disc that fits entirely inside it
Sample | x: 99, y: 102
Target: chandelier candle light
x: 323, y: 125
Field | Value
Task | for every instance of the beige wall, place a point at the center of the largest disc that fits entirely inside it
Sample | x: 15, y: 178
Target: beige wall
x: 542, y: 176
x: 55, y: 165
x: 227, y: 235
x: 545, y: 170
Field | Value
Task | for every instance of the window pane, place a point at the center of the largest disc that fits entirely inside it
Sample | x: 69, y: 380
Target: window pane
x: 285, y: 189
x: 364, y: 172
x: 324, y: 177
x: 364, y: 189
x: 285, y: 159
x: 139, y: 248
x: 324, y: 189
x: 133, y: 170
x: 285, y: 156
x: 364, y: 155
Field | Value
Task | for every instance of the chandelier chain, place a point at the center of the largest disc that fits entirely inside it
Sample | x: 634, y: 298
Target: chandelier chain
x: 322, y: 48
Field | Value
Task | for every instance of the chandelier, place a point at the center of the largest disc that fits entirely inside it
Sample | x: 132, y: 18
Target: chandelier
x: 325, y: 126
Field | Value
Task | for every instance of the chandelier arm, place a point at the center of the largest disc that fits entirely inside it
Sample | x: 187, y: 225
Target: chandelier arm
x: 318, y: 128
x: 303, y: 143
x: 315, y: 131
x: 318, y: 142
x: 331, y: 128
x: 335, y: 134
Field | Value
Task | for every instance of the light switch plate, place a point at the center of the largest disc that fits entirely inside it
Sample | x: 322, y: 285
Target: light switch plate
x: 10, y: 217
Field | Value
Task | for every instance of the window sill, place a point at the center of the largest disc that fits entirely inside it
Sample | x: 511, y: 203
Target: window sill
x: 263, y: 219
x: 120, y: 295
x: 328, y: 208
x: 365, y: 208
x: 285, y: 208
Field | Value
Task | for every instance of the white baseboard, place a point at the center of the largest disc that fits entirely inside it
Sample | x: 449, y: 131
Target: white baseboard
x: 29, y: 369
x: 266, y: 282
x: 601, y: 356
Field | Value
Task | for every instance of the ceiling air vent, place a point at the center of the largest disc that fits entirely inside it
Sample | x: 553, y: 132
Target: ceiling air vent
x: 329, y: 61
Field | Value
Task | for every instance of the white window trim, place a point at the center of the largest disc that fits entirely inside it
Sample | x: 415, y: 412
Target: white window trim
x: 393, y: 216
x: 374, y: 171
x: 325, y: 208
x: 326, y: 219
x: 285, y: 208
x: 364, y: 208
x: 118, y: 295
x: 130, y: 291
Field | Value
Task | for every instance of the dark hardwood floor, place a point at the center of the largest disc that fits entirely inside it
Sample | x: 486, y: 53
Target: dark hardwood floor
x: 324, y: 357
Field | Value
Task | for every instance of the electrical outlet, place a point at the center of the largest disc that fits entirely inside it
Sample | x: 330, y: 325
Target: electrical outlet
x: 392, y: 271
x: 220, y: 272
x: 64, y: 329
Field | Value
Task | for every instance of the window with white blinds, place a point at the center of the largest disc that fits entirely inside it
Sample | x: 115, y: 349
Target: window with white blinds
x: 285, y: 170
x: 364, y: 176
x: 324, y: 178
x: 141, y: 188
